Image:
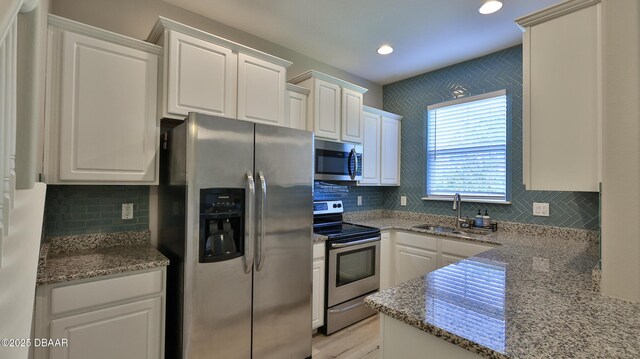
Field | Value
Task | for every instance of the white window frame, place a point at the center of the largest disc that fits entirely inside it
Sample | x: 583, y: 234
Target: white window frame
x: 467, y: 198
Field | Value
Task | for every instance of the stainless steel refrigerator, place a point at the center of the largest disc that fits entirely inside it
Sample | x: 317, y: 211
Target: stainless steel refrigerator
x: 235, y: 219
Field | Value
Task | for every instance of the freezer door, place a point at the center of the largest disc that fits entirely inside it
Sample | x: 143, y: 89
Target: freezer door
x: 217, y: 318
x: 282, y: 270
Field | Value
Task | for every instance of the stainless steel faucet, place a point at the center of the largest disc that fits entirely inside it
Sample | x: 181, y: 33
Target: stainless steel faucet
x: 457, y: 205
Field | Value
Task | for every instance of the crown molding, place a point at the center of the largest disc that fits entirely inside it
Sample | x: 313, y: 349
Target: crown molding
x: 84, y: 29
x: 382, y: 113
x: 164, y: 24
x: 553, y: 12
x: 298, y: 89
x: 334, y: 80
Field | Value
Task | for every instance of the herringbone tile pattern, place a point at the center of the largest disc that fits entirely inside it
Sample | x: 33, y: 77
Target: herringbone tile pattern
x: 497, y: 71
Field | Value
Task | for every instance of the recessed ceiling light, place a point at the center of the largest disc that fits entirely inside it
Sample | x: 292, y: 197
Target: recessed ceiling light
x: 489, y: 7
x: 385, y: 50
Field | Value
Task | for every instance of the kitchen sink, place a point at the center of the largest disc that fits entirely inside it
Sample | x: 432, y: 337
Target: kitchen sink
x: 440, y: 229
x: 431, y: 227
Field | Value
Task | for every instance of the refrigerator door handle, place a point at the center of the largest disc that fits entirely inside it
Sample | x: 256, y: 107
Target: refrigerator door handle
x: 263, y: 201
x: 249, y: 223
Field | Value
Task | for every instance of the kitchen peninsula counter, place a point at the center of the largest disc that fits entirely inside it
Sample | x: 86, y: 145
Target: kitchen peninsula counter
x: 532, y: 296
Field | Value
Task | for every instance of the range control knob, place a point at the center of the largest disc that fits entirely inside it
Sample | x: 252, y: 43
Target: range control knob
x: 335, y: 205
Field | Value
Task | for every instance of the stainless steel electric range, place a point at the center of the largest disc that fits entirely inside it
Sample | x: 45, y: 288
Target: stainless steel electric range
x: 353, y: 266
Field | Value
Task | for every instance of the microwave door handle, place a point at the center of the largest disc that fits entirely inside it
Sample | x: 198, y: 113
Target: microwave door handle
x: 352, y: 174
x: 355, y: 168
x: 249, y: 223
x: 260, y: 241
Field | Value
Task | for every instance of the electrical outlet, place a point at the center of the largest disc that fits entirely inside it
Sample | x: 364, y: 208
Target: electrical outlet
x: 359, y: 200
x: 403, y: 200
x: 127, y: 210
x: 541, y: 209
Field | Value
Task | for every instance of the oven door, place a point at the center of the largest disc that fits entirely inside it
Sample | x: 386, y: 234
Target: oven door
x: 337, y: 161
x: 353, y: 269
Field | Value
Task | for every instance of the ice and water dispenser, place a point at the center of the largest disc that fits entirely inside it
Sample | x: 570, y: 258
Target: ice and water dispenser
x: 221, y: 224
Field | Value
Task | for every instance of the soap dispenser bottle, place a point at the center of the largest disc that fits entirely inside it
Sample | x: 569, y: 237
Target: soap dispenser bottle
x: 479, y: 220
x: 486, y: 220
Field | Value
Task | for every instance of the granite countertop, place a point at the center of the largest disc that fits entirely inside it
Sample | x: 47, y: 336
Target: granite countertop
x: 532, y: 296
x: 70, y: 258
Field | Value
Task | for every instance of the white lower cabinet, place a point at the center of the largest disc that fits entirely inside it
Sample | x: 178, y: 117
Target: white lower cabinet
x: 317, y: 297
x: 415, y: 255
x: 124, y: 331
x: 386, y: 261
x: 116, y: 316
x: 406, y: 255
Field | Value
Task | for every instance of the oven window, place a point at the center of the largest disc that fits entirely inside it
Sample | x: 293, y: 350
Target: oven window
x: 355, y: 265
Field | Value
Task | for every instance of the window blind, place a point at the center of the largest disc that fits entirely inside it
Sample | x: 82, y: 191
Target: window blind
x: 468, y: 299
x: 467, y: 147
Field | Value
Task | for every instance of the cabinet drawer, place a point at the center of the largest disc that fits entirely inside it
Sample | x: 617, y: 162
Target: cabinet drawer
x: 417, y: 240
x: 104, y: 291
x: 318, y: 250
x: 463, y: 249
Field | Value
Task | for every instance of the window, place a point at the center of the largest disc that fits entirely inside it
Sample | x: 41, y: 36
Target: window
x: 467, y: 148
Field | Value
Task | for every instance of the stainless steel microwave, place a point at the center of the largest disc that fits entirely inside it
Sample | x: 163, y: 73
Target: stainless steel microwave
x: 335, y: 161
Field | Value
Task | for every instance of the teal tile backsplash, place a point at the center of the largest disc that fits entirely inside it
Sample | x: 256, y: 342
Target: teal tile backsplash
x: 496, y: 71
x: 94, y: 209
x: 410, y: 98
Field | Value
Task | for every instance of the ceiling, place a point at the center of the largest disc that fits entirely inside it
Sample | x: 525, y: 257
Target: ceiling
x: 425, y: 34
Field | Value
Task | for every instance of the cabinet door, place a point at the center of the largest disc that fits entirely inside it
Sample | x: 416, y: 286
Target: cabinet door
x: 351, y: 116
x: 390, y: 152
x: 413, y: 262
x: 455, y: 250
x: 128, y: 331
x: 371, y: 124
x: 296, y: 110
x: 317, y: 307
x: 326, y: 112
x: 447, y: 259
x: 201, y: 77
x: 261, y: 87
x: 108, y: 118
x: 562, y: 103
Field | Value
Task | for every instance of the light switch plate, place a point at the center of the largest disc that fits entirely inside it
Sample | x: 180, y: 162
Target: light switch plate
x: 359, y: 200
x: 127, y: 210
x: 541, y: 209
x: 403, y: 200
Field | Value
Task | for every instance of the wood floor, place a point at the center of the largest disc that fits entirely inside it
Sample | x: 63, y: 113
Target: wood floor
x: 359, y: 341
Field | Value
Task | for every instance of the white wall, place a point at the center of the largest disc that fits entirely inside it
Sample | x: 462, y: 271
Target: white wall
x: 621, y: 150
x: 135, y: 18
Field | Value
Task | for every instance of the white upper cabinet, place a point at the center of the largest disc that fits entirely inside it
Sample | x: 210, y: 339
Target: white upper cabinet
x: 296, y: 107
x: 351, y: 116
x: 381, y: 148
x: 325, y: 110
x: 261, y: 87
x: 208, y: 74
x: 562, y: 97
x: 334, y: 108
x: 372, y: 125
x: 101, y: 124
x: 200, y: 77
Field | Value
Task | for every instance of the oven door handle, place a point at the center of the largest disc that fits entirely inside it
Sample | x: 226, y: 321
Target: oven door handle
x: 355, y: 243
x: 352, y: 306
